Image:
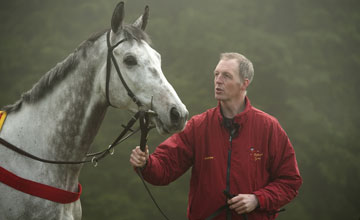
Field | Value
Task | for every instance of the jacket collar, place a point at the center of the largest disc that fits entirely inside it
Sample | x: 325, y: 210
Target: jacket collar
x: 240, y: 118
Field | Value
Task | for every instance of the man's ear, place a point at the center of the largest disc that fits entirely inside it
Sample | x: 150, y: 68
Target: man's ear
x: 245, y: 83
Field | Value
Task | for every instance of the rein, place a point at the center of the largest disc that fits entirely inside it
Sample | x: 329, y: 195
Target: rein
x: 96, y: 157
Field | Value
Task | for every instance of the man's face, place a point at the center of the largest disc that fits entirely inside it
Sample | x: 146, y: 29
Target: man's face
x: 228, y: 85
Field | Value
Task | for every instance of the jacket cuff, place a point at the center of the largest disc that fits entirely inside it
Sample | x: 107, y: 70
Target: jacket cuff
x: 146, y: 167
x: 261, y: 200
x: 143, y: 169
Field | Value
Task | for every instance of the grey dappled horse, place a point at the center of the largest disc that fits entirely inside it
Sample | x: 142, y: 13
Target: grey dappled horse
x: 60, y: 116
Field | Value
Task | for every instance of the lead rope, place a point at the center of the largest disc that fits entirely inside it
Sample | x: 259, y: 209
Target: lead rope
x: 144, y: 126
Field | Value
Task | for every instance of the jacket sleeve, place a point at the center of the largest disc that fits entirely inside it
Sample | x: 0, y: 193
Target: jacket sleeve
x: 171, y: 159
x: 285, y: 179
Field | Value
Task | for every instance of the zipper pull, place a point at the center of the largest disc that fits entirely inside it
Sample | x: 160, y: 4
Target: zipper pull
x: 230, y: 140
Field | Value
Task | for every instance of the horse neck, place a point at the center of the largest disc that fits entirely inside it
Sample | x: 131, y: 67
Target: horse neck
x: 76, y: 109
x: 63, y: 124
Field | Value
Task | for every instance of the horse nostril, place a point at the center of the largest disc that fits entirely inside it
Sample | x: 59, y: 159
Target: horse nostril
x: 174, y: 115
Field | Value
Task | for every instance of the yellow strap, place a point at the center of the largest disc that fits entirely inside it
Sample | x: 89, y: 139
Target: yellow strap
x: 2, y: 118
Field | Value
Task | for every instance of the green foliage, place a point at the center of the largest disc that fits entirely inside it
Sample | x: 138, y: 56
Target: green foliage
x: 306, y: 62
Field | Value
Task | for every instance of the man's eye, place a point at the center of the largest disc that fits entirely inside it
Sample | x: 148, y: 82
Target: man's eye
x: 130, y: 61
x: 227, y: 76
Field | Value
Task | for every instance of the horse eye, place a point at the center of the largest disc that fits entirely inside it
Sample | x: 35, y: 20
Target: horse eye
x: 130, y: 61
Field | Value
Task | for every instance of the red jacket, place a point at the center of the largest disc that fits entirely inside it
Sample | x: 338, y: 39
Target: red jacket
x: 262, y: 163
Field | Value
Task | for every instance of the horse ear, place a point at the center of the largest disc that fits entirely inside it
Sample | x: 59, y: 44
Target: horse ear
x: 117, y: 17
x: 141, y: 22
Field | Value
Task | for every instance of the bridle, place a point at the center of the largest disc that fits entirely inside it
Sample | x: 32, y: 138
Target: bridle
x: 111, y: 57
x: 142, y: 115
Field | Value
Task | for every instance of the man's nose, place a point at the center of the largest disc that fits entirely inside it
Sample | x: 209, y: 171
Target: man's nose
x: 218, y: 79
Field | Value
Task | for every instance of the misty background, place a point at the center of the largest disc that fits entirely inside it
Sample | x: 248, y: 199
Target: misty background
x: 306, y: 59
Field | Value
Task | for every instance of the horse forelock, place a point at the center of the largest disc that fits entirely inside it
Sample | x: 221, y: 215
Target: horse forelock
x: 133, y: 33
x: 48, y: 81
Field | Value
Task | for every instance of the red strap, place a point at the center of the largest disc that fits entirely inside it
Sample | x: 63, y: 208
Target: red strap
x: 38, y: 189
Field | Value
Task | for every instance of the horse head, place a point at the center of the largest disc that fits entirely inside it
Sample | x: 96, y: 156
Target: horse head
x: 139, y: 69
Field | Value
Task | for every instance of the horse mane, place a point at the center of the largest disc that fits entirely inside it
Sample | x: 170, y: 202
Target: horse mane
x: 49, y: 81
x: 46, y: 83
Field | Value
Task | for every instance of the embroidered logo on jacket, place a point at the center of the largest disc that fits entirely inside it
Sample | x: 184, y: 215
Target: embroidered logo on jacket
x: 255, y: 154
x: 208, y: 158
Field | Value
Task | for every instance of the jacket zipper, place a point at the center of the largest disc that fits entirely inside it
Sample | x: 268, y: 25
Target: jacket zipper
x: 227, y: 190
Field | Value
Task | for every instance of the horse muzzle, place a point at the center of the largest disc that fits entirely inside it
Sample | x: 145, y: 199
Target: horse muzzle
x: 175, y: 122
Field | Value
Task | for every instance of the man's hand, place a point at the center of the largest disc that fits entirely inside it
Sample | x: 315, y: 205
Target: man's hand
x: 243, y: 203
x: 139, y: 158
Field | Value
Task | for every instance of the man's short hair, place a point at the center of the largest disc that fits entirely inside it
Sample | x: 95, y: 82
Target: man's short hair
x: 246, y: 68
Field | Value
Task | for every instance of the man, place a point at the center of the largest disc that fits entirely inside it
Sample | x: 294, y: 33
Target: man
x: 243, y: 164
